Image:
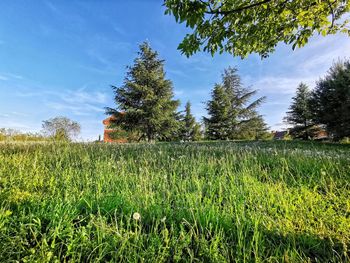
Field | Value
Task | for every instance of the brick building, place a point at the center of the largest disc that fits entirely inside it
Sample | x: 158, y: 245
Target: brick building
x: 107, y: 134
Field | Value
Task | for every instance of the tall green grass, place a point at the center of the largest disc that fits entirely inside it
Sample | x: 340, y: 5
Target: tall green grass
x: 209, y: 202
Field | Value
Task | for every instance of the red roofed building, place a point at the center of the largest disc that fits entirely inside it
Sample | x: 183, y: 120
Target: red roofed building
x: 107, y: 135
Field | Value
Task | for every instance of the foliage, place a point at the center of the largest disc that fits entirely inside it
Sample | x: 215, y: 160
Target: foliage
x: 300, y: 112
x: 255, y: 129
x: 231, y: 114
x: 118, y: 134
x: 14, y: 135
x: 331, y: 100
x: 145, y: 102
x: 345, y: 140
x: 196, y: 202
x: 189, y: 130
x: 61, y: 128
x: 218, y: 123
x: 242, y: 27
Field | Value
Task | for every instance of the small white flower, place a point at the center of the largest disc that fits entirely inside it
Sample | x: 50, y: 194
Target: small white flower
x: 136, y: 216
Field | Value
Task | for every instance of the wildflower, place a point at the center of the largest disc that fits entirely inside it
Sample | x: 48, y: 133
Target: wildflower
x: 136, y: 216
x: 163, y: 219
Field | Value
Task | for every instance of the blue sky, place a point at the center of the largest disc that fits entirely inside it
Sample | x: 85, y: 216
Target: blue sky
x: 59, y: 58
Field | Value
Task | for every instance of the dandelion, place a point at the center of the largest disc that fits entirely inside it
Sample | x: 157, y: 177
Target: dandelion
x: 136, y: 216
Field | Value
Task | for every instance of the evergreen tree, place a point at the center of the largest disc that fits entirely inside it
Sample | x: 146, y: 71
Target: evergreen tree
x: 331, y: 100
x: 300, y: 113
x: 256, y: 129
x: 219, y: 107
x: 145, y: 101
x: 190, y: 129
x: 243, y: 115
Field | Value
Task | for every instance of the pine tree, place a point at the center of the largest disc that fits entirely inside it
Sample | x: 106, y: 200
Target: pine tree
x: 243, y: 115
x: 256, y: 129
x: 190, y: 129
x: 331, y: 100
x: 219, y: 107
x: 300, y: 113
x: 145, y: 101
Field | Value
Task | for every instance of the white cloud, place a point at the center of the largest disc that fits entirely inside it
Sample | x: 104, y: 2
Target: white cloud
x: 3, y: 77
x: 177, y: 72
x: 281, y: 85
x: 13, y: 114
x: 178, y: 92
x: 77, y: 109
x: 17, y: 125
x: 7, y: 76
x: 83, y: 96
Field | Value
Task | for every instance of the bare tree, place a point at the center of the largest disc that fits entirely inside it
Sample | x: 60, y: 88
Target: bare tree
x: 61, y: 128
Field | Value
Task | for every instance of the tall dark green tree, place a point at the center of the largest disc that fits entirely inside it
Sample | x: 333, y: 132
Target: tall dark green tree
x: 331, y: 100
x: 300, y: 112
x: 145, y: 101
x: 256, y: 129
x: 243, y: 110
x: 217, y: 124
x: 190, y: 130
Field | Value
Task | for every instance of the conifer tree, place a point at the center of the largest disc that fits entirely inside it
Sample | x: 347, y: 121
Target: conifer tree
x: 331, y: 100
x: 243, y: 115
x: 300, y: 113
x: 145, y: 101
x: 190, y: 129
x: 219, y: 107
x: 256, y: 129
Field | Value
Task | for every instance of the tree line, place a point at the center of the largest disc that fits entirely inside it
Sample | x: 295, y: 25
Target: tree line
x: 55, y: 129
x: 327, y: 106
x: 146, y: 108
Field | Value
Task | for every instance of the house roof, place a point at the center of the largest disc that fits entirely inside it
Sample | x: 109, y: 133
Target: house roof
x: 109, y: 120
x: 280, y: 134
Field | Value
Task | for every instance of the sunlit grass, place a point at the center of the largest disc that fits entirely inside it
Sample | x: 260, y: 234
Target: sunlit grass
x: 211, y: 202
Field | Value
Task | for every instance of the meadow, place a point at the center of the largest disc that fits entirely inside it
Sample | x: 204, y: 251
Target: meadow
x: 175, y: 202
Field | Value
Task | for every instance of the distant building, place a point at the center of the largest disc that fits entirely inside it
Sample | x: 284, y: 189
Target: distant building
x: 321, y: 135
x: 280, y: 135
x: 315, y: 133
x: 108, y: 132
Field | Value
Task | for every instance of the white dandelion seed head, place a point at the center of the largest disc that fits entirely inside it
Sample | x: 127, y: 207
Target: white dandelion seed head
x: 136, y: 216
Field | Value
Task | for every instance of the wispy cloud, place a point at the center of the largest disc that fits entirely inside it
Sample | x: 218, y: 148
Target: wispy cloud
x: 178, y: 92
x: 83, y: 96
x: 177, y: 72
x: 80, y: 102
x: 281, y: 85
x: 13, y: 114
x: 52, y: 7
x: 119, y: 30
x: 18, y: 125
x: 7, y: 76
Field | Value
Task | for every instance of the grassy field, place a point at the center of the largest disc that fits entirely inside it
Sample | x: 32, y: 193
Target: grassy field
x: 211, y: 202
